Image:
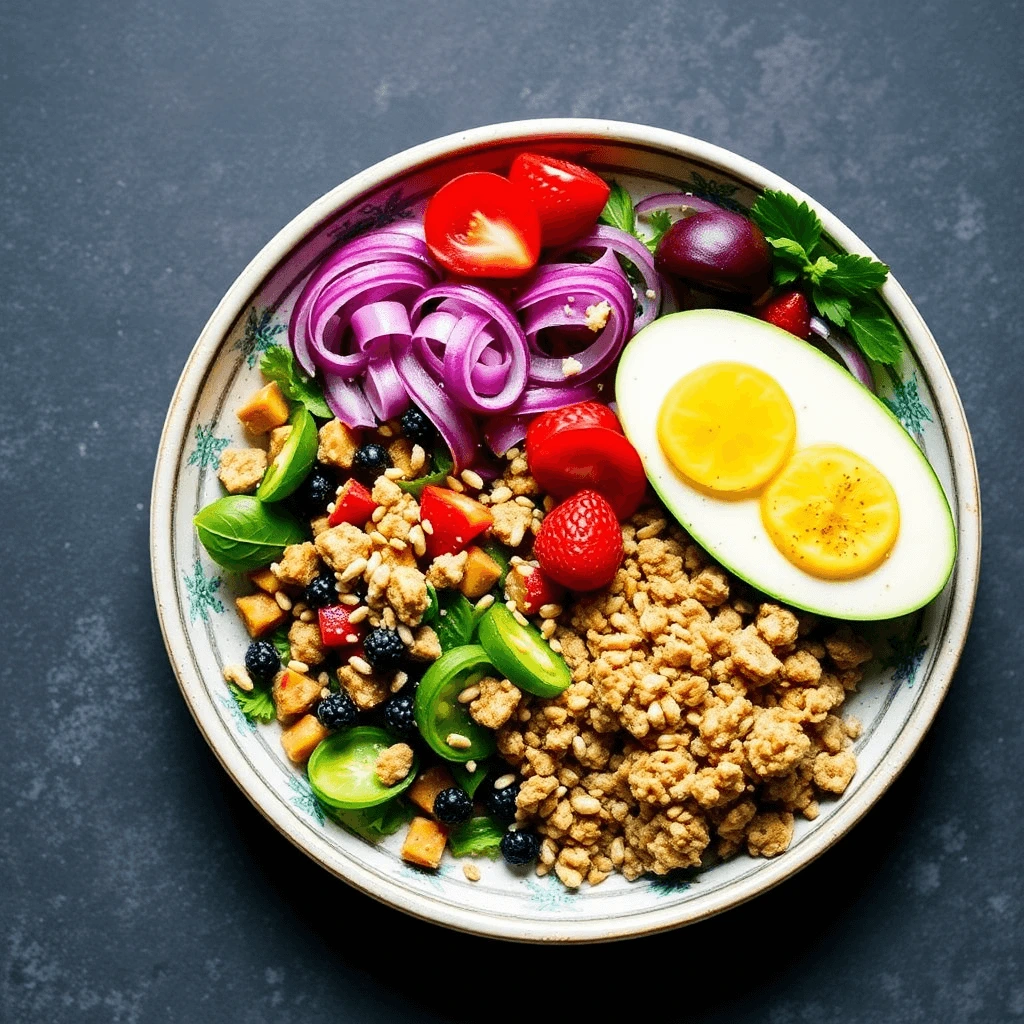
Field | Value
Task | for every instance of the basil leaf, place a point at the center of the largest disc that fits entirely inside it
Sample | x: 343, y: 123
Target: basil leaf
x: 241, y: 533
x: 279, y: 365
x: 618, y: 211
x: 476, y: 837
x: 470, y: 781
x: 455, y: 620
x: 442, y: 468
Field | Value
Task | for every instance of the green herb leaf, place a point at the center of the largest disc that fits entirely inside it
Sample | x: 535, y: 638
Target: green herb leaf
x: 618, y: 211
x: 779, y: 215
x: 855, y: 275
x: 256, y: 705
x: 430, y: 616
x: 442, y: 461
x: 817, y: 271
x: 784, y: 274
x: 831, y: 307
x: 456, y: 622
x: 876, y: 336
x: 470, y: 781
x: 660, y: 221
x: 373, y: 823
x: 278, y: 364
x: 241, y: 533
x: 282, y: 645
x: 478, y: 837
x: 787, y: 247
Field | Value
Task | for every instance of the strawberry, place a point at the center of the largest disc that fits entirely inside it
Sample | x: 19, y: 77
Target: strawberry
x: 791, y: 311
x: 580, y: 542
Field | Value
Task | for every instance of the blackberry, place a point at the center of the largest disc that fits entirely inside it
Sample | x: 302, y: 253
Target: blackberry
x: 453, y: 806
x: 520, y: 847
x: 317, y: 489
x: 321, y: 592
x: 417, y: 427
x: 383, y: 649
x: 398, y: 716
x: 262, y: 660
x: 369, y: 461
x: 501, y: 803
x: 336, y: 711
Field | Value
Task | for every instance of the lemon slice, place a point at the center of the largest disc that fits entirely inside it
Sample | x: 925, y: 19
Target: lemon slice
x: 831, y: 513
x: 727, y: 427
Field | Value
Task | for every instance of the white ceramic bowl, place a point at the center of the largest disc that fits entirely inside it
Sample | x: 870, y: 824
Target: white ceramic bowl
x: 896, y: 702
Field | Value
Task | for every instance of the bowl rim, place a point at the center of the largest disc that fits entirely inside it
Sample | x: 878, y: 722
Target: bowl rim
x: 948, y: 408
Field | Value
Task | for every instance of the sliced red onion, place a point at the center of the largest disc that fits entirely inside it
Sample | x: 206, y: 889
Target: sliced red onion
x: 504, y: 431
x: 346, y: 400
x: 559, y: 295
x: 675, y: 202
x: 604, y: 238
x: 848, y: 353
x: 483, y: 358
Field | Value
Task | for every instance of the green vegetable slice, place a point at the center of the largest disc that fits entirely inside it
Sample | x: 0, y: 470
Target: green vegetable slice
x: 455, y: 620
x: 373, y: 823
x: 442, y: 467
x: 521, y: 654
x: 342, y: 769
x: 438, y: 712
x: 470, y: 781
x: 240, y: 533
x: 501, y: 555
x: 476, y: 837
x: 294, y: 461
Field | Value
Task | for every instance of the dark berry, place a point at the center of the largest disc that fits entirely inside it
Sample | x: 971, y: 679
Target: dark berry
x: 383, y: 649
x: 502, y: 803
x: 520, y: 847
x: 417, y: 427
x: 317, y: 490
x: 398, y: 716
x: 370, y: 460
x: 321, y: 592
x: 336, y: 711
x: 262, y: 660
x: 453, y: 806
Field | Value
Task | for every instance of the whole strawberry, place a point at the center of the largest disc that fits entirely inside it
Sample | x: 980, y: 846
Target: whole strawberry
x: 580, y: 542
x: 791, y: 311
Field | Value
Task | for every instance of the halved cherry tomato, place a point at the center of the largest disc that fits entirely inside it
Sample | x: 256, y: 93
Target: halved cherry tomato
x: 569, y: 198
x: 455, y: 520
x: 591, y: 458
x: 483, y: 225
x: 533, y: 590
x: 580, y: 414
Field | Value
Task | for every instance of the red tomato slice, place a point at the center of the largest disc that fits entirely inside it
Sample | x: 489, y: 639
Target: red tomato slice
x: 591, y: 458
x: 569, y: 198
x: 455, y: 520
x: 483, y: 225
x: 580, y: 414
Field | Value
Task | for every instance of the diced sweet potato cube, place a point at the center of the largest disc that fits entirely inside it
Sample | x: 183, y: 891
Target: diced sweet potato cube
x: 267, y: 409
x: 294, y: 694
x: 424, y: 842
x: 260, y: 613
x: 427, y: 785
x: 301, y: 739
x: 266, y: 581
x: 481, y: 573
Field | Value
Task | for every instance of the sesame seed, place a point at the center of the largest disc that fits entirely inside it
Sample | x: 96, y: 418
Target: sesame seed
x: 394, y: 473
x: 354, y: 569
x: 351, y: 638
x: 523, y: 500
x: 454, y: 485
x: 524, y: 569
x: 239, y: 675
x: 485, y: 602
x: 457, y: 741
x: 516, y: 536
x: 284, y: 602
x: 378, y: 513
x: 298, y: 666
x: 418, y: 540
x: 504, y: 781
x: 275, y: 567
x: 331, y: 507
x: 520, y: 618
x: 360, y: 665
x: 325, y: 691
x: 472, y: 872
x: 472, y: 479
x: 550, y: 611
x: 405, y: 635
x: 555, y: 645
x: 510, y: 605
x: 469, y: 694
x: 401, y: 678
x: 417, y: 458
x: 501, y: 494
x: 547, y: 628
x: 398, y: 544
x: 427, y: 525
x: 358, y: 615
x: 306, y: 616
x: 471, y: 766
x: 385, y: 431
x: 349, y: 599
x: 374, y: 562
x: 324, y: 679
x: 378, y: 538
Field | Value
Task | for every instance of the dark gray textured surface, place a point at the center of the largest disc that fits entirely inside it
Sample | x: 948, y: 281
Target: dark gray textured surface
x: 147, y: 151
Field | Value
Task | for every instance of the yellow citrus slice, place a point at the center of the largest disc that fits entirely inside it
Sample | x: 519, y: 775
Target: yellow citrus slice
x: 831, y: 513
x: 727, y: 427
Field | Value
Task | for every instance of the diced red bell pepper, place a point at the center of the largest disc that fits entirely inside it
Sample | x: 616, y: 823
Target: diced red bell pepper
x: 532, y: 591
x: 335, y: 628
x: 456, y: 519
x: 353, y: 505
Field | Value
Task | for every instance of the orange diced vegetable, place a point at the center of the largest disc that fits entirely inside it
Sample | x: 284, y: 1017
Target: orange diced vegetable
x: 267, y: 409
x: 424, y: 842
x: 302, y: 738
x: 427, y: 785
x: 260, y: 613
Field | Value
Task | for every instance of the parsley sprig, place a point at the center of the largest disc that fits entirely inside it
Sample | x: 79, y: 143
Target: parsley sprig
x: 257, y: 705
x: 842, y: 286
x: 618, y: 213
x: 278, y: 364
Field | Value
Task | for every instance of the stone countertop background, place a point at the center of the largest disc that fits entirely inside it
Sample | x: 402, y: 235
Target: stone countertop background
x: 147, y: 151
